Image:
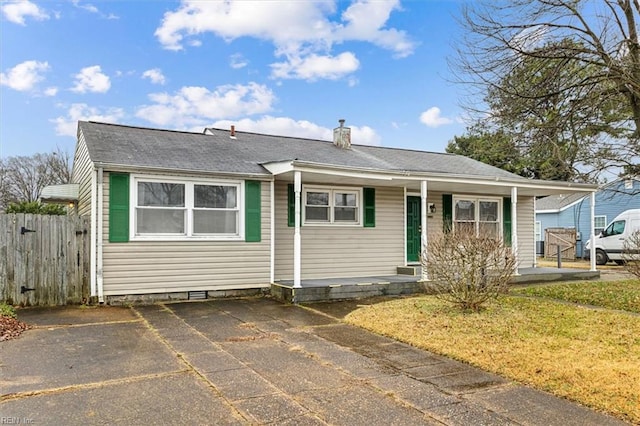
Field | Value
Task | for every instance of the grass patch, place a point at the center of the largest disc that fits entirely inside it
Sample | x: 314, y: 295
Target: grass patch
x: 588, y: 355
x: 622, y: 295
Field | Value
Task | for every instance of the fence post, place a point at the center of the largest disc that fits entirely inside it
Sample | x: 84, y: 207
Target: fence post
x: 559, y: 253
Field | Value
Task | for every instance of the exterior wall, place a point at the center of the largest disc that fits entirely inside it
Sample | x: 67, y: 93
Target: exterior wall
x: 341, y: 251
x: 610, y: 202
x: 526, y: 232
x: 82, y: 169
x: 145, y: 267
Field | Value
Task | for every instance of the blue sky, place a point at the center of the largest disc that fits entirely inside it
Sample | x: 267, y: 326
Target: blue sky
x: 277, y: 67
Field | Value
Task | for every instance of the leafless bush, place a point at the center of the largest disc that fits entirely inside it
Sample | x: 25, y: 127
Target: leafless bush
x: 468, y: 270
x: 631, y: 253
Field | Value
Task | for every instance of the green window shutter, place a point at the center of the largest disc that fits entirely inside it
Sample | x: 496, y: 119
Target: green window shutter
x: 447, y: 212
x: 118, y: 207
x: 369, y: 195
x: 506, y: 220
x: 291, y: 204
x: 252, y: 211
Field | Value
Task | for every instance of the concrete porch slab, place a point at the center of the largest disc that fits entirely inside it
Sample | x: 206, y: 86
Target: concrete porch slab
x: 315, y: 290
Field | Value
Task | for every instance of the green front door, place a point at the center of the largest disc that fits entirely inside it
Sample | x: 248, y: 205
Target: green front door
x: 413, y: 229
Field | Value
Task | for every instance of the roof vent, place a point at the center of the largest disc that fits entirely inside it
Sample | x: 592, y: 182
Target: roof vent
x: 342, y: 136
x: 232, y: 134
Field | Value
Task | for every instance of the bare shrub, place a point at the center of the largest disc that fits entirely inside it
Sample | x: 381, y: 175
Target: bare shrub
x: 631, y: 253
x: 468, y: 270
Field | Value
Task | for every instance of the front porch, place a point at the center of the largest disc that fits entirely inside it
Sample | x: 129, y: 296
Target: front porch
x: 406, y: 282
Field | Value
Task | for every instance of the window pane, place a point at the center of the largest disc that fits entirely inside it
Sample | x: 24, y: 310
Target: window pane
x: 465, y: 210
x: 467, y: 228
x: 345, y: 199
x: 160, y: 221
x: 489, y: 230
x: 618, y: 227
x: 599, y: 221
x: 318, y: 198
x: 488, y: 211
x: 160, y: 194
x: 345, y: 214
x: 215, y: 196
x: 215, y: 222
x: 317, y: 213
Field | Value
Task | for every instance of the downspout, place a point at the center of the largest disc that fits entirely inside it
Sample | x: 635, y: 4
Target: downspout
x: 272, y: 225
x: 94, y: 230
x: 100, y: 235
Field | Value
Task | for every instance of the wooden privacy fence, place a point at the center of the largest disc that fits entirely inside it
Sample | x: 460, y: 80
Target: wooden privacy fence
x: 563, y: 237
x: 44, y: 260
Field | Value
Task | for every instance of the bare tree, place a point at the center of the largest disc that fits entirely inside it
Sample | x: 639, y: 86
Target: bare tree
x: 466, y: 269
x: 588, y: 54
x: 23, y: 177
x: 631, y: 253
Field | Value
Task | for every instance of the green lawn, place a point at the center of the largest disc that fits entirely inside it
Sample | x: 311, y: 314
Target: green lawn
x: 589, y: 355
x: 623, y: 295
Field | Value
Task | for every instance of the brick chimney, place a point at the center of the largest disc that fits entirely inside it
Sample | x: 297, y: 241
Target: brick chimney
x: 342, y: 136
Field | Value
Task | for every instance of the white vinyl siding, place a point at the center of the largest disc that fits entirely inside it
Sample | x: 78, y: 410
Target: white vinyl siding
x: 81, y: 174
x: 526, y: 232
x: 144, y: 267
x: 343, y: 251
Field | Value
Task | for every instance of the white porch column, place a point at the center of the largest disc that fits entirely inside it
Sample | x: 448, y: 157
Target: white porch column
x: 514, y: 226
x: 592, y: 249
x: 297, y: 188
x: 423, y: 225
x: 535, y: 242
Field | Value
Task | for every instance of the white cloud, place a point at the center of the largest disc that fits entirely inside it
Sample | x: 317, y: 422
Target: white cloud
x: 67, y: 126
x: 155, y: 75
x: 91, y: 79
x: 365, y: 21
x: 285, y: 126
x: 237, y: 61
x: 51, y: 91
x: 17, y: 11
x: 432, y: 118
x: 314, y: 67
x: 193, y: 106
x: 93, y: 9
x: 303, y: 32
x: 24, y: 77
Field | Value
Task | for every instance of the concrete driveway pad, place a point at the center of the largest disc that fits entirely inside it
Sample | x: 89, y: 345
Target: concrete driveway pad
x: 248, y: 361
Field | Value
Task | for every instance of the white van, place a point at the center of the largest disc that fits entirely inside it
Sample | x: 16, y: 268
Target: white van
x: 610, y: 242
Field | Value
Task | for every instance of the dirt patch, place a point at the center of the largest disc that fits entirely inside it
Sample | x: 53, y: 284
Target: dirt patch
x: 10, y: 328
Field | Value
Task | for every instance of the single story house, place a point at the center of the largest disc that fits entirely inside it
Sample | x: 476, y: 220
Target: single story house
x: 175, y: 212
x: 573, y: 210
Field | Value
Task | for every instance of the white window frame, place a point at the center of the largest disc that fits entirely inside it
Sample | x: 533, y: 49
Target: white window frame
x: 332, y: 190
x: 602, y: 228
x: 476, y: 220
x: 538, y: 231
x: 189, y: 208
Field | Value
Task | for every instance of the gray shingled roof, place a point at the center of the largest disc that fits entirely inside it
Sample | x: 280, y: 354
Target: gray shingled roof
x: 557, y: 202
x: 217, y: 152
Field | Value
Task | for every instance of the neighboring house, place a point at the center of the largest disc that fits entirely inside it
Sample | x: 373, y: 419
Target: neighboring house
x: 573, y: 210
x: 175, y: 212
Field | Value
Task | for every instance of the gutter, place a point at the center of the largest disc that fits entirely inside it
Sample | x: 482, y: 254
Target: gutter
x: 113, y: 167
x: 441, y: 177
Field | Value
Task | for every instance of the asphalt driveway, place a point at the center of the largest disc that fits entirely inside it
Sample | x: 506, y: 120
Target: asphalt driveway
x: 247, y: 361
